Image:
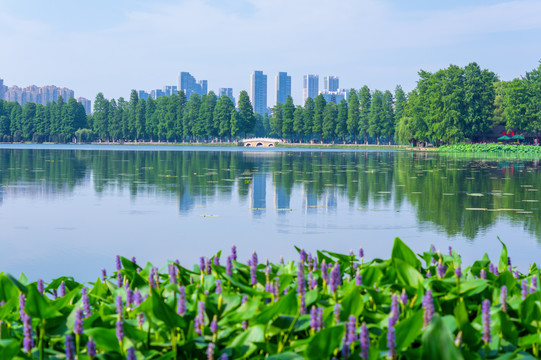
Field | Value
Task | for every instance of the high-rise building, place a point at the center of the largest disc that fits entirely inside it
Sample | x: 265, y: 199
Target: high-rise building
x: 35, y: 94
x: 187, y: 83
x: 228, y: 92
x: 169, y: 90
x: 156, y: 93
x: 143, y: 95
x: 331, y: 83
x: 283, y: 87
x: 334, y: 96
x: 87, y: 104
x: 3, y: 89
x: 310, y: 87
x: 258, y: 91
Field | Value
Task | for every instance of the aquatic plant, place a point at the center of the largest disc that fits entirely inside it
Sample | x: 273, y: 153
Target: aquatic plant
x: 384, y: 308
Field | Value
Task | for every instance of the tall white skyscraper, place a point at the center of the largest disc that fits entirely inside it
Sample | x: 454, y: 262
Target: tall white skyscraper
x: 283, y: 87
x: 331, y: 83
x: 310, y: 87
x: 258, y: 92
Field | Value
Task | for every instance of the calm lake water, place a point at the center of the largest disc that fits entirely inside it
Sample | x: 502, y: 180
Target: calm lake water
x: 68, y: 210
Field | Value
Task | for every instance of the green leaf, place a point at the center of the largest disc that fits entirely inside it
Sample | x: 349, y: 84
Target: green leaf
x: 243, y: 345
x: 509, y: 331
x: 163, y: 312
x: 287, y: 305
x: 8, y: 290
x: 502, y: 265
x: 244, y: 312
x: 352, y: 304
x: 9, y: 348
x: 403, y: 252
x: 530, y: 309
x: 407, y: 274
x: 469, y: 335
x: 104, y: 338
x: 38, y: 307
x: 437, y: 342
x: 285, y: 356
x: 324, y: 342
x: 407, y: 330
x: 473, y: 287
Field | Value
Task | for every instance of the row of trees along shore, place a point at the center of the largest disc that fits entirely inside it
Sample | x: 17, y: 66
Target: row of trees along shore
x: 448, y: 106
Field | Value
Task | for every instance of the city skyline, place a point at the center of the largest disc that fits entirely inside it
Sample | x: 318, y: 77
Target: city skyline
x: 500, y: 35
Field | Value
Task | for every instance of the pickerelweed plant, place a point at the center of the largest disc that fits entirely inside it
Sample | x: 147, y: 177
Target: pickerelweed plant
x: 325, y: 305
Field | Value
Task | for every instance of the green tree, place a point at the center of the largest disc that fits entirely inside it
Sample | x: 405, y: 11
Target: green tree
x: 222, y: 115
x: 341, y: 120
x: 191, y: 115
x: 27, y: 120
x: 101, y: 109
x: 329, y: 121
x: 319, y: 109
x: 298, y: 122
x: 388, y: 125
x: 400, y: 102
x: 140, y: 120
x: 277, y: 119
x: 207, y: 115
x: 365, y: 99
x: 287, y: 122
x: 376, y: 116
x: 353, y: 115
x: 479, y: 96
x: 246, y: 114
x: 308, y: 118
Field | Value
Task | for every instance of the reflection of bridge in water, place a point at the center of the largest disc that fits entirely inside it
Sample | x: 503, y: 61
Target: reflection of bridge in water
x: 261, y: 142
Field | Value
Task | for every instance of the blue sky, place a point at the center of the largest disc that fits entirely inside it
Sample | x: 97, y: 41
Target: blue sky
x: 116, y: 46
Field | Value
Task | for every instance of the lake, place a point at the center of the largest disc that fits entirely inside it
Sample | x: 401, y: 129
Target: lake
x: 68, y: 210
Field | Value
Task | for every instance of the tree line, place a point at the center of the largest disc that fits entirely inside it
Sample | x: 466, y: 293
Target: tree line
x: 451, y: 105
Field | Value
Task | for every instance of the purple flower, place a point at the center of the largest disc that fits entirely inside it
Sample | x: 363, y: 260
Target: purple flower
x: 245, y: 322
x: 253, y: 277
x: 324, y: 272
x: 517, y: 275
x: 229, y: 267
x: 131, y: 354
x: 22, y: 303
x: 313, y: 282
x: 391, y: 341
x: 361, y: 253
x: 483, y: 274
x: 358, y: 278
x: 350, y: 330
x: 314, y: 264
x: 310, y: 280
x: 200, y: 318
x: 496, y: 271
x: 103, y: 274
x: 276, y: 289
x: 234, y: 252
x: 133, y: 260
x: 428, y: 274
x: 129, y: 297
x: 224, y: 357
x: 365, y: 341
x: 534, y: 283
x: 301, y: 283
x: 214, y: 325
x: 216, y: 260
x: 120, y: 329
x: 524, y: 288
x: 119, y: 305
x: 486, y: 321
x: 302, y: 255
x: 503, y: 298
x: 218, y: 286
x: 302, y: 309
x: 172, y: 274
x: 181, y: 310
x: 28, y: 341
x: 91, y: 348
x: 119, y: 280
x: 62, y: 289
x: 55, y: 294
x: 40, y: 286
x: 428, y: 306
x: 78, y: 326
x: 450, y: 251
x: 335, y: 277
x: 254, y: 259
x: 86, y: 303
x: 202, y: 264
x: 440, y: 269
x: 337, y: 313
x: 404, y: 298
x: 394, y: 310
x: 70, y: 350
x: 210, y: 351
x: 491, y: 267
x: 458, y: 271
x: 313, y: 318
x: 118, y: 263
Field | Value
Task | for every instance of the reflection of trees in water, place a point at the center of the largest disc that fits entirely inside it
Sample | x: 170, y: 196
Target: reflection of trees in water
x: 439, y: 188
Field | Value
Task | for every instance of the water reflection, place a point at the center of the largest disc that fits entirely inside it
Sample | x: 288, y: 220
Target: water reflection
x: 459, y: 196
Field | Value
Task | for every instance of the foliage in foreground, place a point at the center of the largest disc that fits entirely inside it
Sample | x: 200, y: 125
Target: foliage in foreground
x: 325, y: 306
x: 491, y: 148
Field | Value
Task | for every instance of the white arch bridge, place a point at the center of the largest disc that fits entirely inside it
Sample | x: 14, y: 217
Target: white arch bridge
x: 260, y: 142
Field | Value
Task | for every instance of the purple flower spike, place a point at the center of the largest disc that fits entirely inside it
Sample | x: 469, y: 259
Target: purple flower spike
x: 62, y: 289
x: 133, y: 260
x: 214, y: 325
x: 365, y: 341
x: 172, y: 274
x: 428, y: 274
x: 218, y: 286
x: 103, y: 275
x: 131, y: 354
x: 486, y: 321
x: 394, y: 310
x: 210, y: 351
x: 310, y: 280
x: 245, y: 322
x: 302, y: 255
x: 450, y: 251
x: 491, y: 267
x: 229, y: 267
x: 428, y: 306
x: 309, y: 259
x: 119, y: 305
x: 391, y: 341
x: 517, y: 275
x: 224, y: 357
x: 351, y: 330
x: 86, y: 303
x: 119, y: 280
x: 207, y: 266
x: 200, y: 318
x: 313, y: 282
x: 118, y: 263
x: 404, y: 298
x: 91, y: 348
x: 358, y: 278
x: 301, y: 283
x: 337, y: 313
x: 503, y: 298
x: 324, y: 272
x: 254, y: 259
x: 458, y: 271
x: 28, y: 341
x: 22, y: 303
x: 120, y: 329
x: 70, y: 350
x: 40, y: 286
x: 335, y: 277
x: 234, y: 252
x: 524, y: 289
x: 253, y: 277
x: 313, y: 318
x: 483, y: 274
x: 78, y: 326
x: 216, y: 260
x: 534, y: 282
x: 129, y: 297
x: 302, y: 309
x: 181, y: 309
x: 440, y: 269
x: 202, y: 264
x: 496, y: 271
x: 361, y: 253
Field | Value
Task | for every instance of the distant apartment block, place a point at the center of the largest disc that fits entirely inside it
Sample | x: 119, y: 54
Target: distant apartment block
x: 35, y: 94
x: 334, y: 96
x: 168, y: 90
x: 189, y: 85
x: 283, y: 87
x: 228, y: 92
x: 87, y: 104
x: 143, y: 95
x: 310, y: 87
x: 331, y: 83
x: 258, y: 92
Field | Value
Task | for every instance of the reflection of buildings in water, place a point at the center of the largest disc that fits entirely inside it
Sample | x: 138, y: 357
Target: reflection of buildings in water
x: 310, y: 200
x: 331, y: 199
x: 327, y: 201
x: 258, y: 194
x: 281, y: 199
x: 188, y: 201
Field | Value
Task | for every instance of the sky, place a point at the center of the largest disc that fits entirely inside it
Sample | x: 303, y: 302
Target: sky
x: 115, y: 46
